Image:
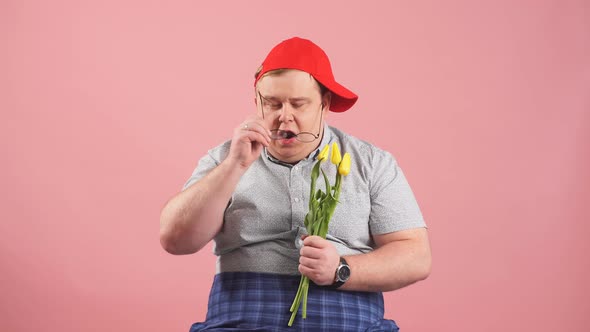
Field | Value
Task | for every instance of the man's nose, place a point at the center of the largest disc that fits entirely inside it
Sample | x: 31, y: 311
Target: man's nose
x: 286, y: 113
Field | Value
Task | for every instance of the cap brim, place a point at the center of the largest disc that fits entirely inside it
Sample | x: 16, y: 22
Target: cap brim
x: 342, y: 98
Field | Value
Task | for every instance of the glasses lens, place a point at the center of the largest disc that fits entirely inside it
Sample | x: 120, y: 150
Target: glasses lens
x: 306, y: 137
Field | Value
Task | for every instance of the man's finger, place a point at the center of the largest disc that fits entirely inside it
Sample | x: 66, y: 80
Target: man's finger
x: 308, y: 262
x: 315, y: 241
x: 255, y: 136
x: 256, y: 127
x: 311, y: 252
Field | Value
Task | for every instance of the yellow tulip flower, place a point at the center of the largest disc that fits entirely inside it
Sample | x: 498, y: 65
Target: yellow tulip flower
x: 323, y: 156
x: 336, y: 157
x: 344, y: 167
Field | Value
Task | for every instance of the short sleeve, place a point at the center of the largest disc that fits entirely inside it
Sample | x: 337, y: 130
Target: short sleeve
x: 393, y: 205
x: 207, y: 163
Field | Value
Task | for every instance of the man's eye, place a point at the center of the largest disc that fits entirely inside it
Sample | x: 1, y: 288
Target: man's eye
x: 272, y: 106
x: 297, y: 106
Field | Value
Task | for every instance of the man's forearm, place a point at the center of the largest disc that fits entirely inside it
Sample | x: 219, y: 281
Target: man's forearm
x: 392, y: 266
x: 193, y: 217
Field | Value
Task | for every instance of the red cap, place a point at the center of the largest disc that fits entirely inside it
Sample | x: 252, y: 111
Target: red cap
x: 304, y: 55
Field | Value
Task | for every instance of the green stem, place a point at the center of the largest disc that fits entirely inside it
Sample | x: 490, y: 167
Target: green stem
x: 295, y: 304
x: 301, y: 294
x: 305, y: 291
x: 338, y: 185
x: 292, y: 318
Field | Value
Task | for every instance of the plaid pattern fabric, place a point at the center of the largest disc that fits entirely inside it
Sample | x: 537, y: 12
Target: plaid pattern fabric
x: 248, y: 301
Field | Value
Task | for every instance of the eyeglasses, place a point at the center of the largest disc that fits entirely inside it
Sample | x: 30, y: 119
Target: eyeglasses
x: 304, y: 136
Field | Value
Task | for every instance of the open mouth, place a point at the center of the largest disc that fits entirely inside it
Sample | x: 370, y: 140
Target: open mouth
x: 278, y: 134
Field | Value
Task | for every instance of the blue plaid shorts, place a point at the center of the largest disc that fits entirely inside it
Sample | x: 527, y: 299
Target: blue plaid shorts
x: 246, y: 301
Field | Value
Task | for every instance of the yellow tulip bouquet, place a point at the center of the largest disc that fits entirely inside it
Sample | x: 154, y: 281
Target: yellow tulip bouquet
x: 321, y: 208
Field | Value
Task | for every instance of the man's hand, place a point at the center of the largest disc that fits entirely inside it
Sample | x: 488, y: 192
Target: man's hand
x: 248, y: 140
x: 319, y: 260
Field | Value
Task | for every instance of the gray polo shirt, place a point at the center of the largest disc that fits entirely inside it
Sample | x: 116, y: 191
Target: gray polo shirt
x: 263, y: 222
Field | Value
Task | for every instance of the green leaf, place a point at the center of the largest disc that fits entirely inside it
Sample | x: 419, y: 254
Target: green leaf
x: 308, y: 218
x: 328, y: 186
x: 319, y: 194
x: 315, y: 173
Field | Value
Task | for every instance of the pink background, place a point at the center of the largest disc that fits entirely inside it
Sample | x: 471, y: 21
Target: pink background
x: 108, y: 105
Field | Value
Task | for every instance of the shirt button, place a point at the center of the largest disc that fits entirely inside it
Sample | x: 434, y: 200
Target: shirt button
x: 296, y: 199
x: 295, y: 168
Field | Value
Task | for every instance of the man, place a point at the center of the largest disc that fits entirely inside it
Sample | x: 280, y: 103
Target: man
x: 250, y: 195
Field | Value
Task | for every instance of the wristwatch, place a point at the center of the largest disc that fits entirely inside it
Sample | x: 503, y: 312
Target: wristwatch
x: 342, y: 274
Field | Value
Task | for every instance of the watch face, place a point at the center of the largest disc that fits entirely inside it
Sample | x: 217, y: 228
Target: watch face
x: 343, y: 273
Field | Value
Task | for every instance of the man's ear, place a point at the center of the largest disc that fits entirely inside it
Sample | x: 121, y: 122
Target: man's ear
x: 326, y: 100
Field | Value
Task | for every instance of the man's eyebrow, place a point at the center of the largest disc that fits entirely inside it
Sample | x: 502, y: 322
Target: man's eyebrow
x: 294, y: 99
x: 269, y: 98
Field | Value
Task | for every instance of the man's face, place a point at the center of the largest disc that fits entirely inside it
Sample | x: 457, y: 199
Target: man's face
x: 291, y: 101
